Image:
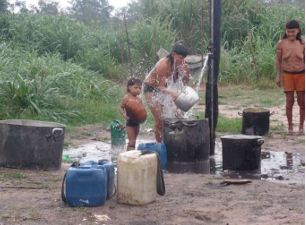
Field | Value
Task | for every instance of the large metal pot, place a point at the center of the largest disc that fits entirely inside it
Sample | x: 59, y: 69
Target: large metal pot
x: 31, y: 144
x: 255, y: 121
x: 186, y: 140
x: 241, y: 152
x: 186, y: 99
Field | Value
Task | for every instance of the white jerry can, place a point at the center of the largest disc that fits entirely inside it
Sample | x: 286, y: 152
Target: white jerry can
x: 136, y: 178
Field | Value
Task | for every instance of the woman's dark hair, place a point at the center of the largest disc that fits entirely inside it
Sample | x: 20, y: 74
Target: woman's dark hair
x: 293, y: 24
x: 178, y: 49
x: 131, y: 82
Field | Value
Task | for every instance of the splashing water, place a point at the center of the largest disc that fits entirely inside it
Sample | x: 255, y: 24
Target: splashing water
x: 170, y: 110
x: 203, y: 71
x: 190, y: 113
x: 175, y: 85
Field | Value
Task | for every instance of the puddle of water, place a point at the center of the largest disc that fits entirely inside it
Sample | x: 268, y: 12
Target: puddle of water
x: 97, y: 150
x: 275, y: 166
x: 93, y: 151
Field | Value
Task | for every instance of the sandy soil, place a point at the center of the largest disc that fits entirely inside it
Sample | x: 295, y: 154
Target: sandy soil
x: 33, y: 197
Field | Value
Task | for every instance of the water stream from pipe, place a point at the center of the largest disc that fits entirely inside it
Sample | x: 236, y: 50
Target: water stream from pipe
x: 203, y: 71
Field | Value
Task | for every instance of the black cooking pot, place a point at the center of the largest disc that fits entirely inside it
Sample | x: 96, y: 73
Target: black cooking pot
x: 186, y: 140
x: 31, y: 144
x: 241, y: 152
x: 255, y: 121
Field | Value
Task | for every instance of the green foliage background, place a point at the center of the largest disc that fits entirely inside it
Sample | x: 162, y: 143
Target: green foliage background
x: 56, y: 67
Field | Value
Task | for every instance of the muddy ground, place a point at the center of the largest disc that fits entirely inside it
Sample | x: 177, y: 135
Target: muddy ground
x: 33, y: 197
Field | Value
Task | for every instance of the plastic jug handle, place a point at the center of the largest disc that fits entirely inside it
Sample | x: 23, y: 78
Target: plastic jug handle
x: 260, y: 141
x: 63, y: 195
x: 161, y: 190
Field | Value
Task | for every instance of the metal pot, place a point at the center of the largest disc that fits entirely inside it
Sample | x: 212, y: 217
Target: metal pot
x: 186, y: 140
x: 31, y: 144
x: 241, y: 152
x: 186, y: 99
x: 255, y: 121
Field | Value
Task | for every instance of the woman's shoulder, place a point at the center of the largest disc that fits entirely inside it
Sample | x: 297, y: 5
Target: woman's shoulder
x: 281, y: 42
x: 163, y: 64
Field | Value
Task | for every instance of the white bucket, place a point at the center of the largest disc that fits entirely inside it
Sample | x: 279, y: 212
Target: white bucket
x: 186, y: 99
x: 136, y: 178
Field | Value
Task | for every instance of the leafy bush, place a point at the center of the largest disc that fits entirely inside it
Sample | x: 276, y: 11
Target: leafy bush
x: 46, y: 86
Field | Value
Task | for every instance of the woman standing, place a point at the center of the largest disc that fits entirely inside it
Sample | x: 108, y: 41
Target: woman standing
x: 290, y: 61
x: 170, y: 68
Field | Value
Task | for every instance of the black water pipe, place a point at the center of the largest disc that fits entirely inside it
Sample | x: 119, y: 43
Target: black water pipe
x: 211, y: 109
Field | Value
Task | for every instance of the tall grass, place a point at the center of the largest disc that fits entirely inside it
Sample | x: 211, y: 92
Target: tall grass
x: 237, y: 62
x: 147, y: 37
x: 71, y: 39
x: 186, y: 20
x: 163, y: 23
x: 240, y: 18
x: 33, y: 86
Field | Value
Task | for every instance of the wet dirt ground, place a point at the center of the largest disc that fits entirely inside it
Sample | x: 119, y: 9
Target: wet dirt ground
x: 33, y: 197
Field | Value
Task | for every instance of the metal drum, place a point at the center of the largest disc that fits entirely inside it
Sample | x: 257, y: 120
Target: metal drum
x: 31, y: 144
x: 186, y: 140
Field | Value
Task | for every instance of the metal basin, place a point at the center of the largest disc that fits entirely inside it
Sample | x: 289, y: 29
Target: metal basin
x: 186, y: 99
x: 31, y: 144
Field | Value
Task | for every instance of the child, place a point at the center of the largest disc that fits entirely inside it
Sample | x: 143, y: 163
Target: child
x: 134, y: 86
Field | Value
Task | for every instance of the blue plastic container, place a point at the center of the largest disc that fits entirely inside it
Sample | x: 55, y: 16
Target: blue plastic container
x: 86, y: 185
x: 160, y: 148
x: 110, y: 172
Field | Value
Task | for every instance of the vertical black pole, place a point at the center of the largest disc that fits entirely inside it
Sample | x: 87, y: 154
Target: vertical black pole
x: 202, y: 34
x: 211, y: 110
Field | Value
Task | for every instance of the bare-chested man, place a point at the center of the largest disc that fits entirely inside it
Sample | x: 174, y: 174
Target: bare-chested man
x: 157, y: 79
x: 290, y: 61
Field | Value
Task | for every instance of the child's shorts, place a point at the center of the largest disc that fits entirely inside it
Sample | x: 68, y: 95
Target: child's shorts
x: 293, y: 82
x: 131, y: 123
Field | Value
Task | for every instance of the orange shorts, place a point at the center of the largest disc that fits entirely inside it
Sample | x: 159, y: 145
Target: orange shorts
x: 294, y: 82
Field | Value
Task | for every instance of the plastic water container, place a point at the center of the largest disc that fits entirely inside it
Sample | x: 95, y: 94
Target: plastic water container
x: 136, y: 178
x: 86, y: 185
x: 117, y: 133
x: 160, y: 148
x: 110, y: 172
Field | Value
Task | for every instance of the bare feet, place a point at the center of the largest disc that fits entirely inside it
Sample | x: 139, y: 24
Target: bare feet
x: 290, y: 130
x: 301, y: 130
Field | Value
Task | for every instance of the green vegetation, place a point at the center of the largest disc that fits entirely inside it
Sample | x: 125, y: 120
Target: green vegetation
x: 278, y: 128
x: 46, y: 87
x: 14, y: 175
x: 70, y: 67
x: 226, y: 125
